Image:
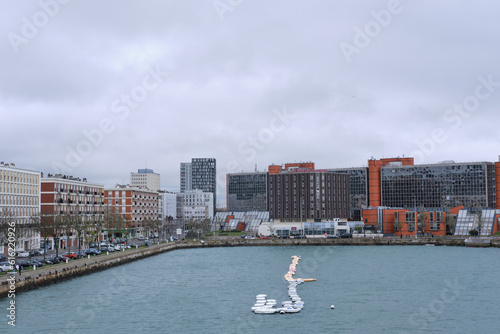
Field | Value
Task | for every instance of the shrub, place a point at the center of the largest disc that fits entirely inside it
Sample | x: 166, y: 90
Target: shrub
x: 473, y: 232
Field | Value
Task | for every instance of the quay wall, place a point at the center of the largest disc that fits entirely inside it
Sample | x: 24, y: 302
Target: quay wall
x: 41, y: 277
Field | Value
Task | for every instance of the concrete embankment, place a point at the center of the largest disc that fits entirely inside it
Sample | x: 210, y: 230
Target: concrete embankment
x: 31, y: 279
x: 53, y: 274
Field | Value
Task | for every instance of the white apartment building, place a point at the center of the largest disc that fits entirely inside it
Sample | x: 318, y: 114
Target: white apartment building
x: 145, y: 178
x: 195, y: 213
x: 167, y: 204
x: 197, y: 204
x: 20, y: 203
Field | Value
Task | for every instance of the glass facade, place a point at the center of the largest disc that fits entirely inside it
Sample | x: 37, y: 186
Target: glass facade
x: 358, y: 189
x: 482, y: 221
x: 203, y: 176
x: 319, y: 228
x: 247, y: 192
x: 439, y: 185
x: 230, y: 220
x: 185, y: 176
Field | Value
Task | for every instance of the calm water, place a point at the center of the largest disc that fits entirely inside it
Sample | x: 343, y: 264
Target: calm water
x: 380, y: 289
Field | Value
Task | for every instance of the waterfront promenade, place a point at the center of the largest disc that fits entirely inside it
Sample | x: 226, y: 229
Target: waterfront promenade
x: 31, y: 279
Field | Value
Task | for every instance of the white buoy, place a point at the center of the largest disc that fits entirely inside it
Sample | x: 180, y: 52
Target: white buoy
x: 332, y: 307
x: 282, y: 312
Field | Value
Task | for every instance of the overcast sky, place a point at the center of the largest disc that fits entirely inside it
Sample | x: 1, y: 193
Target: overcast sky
x: 98, y: 89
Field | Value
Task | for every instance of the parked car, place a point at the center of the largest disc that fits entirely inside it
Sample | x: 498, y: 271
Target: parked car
x: 24, y: 263
x: 332, y: 236
x: 107, y: 248
x: 141, y: 237
x: 5, y: 266
x: 34, y: 252
x: 117, y: 247
x: 35, y: 262
x: 264, y: 237
x: 52, y: 258
x: 92, y: 251
x: 81, y: 253
x: 56, y: 259
x: 300, y: 236
x: 3, y: 258
x: 61, y: 258
x: 23, y: 254
x: 346, y: 235
x: 243, y: 236
x: 70, y: 255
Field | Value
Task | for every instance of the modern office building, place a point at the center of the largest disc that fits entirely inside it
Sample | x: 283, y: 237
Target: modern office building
x: 384, y: 185
x: 295, y: 166
x: 298, y: 195
x: 246, y: 191
x: 185, y: 177
x: 248, y: 221
x: 63, y: 195
x: 442, y: 185
x: 374, y: 178
x: 20, y: 203
x: 481, y: 220
x: 145, y: 178
x: 358, y: 189
x: 204, y: 176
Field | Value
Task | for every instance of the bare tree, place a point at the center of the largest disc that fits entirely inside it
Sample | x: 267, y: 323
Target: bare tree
x: 5, y: 219
x: 10, y: 233
x: 39, y: 224
x: 480, y: 220
x: 49, y: 226
x: 93, y: 228
x: 79, y: 226
x: 45, y: 228
x: 197, y: 226
x: 156, y: 225
x: 398, y: 221
x: 422, y: 219
x: 111, y: 222
x: 450, y: 222
x: 67, y: 228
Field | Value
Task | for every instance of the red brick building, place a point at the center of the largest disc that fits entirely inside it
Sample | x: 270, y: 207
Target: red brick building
x: 134, y: 205
x: 67, y: 195
x: 406, y: 222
